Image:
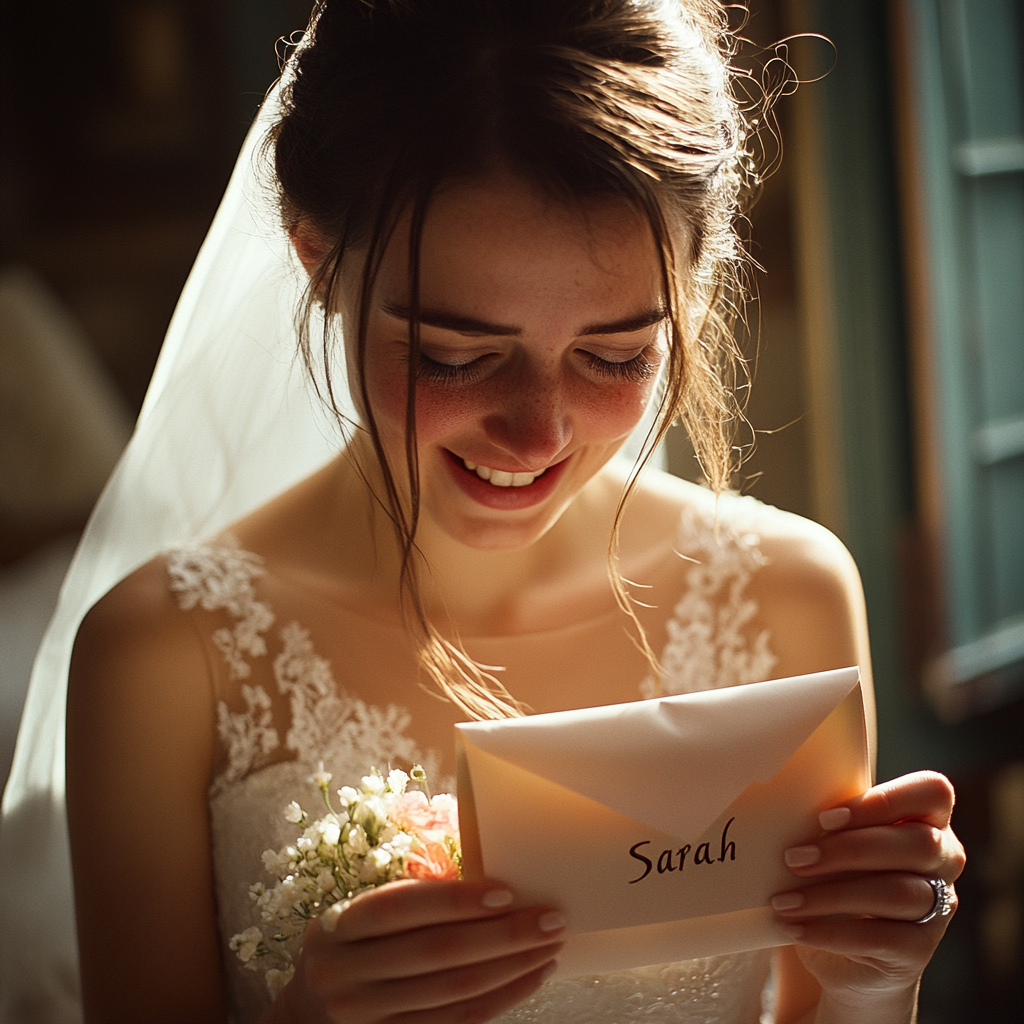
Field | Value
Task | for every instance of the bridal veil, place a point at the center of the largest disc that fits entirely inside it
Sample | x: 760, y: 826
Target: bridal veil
x: 228, y: 422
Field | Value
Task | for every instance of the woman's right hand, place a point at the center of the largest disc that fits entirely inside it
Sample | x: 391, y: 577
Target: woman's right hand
x: 429, y: 952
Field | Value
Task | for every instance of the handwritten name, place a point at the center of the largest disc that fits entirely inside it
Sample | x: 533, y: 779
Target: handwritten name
x: 667, y: 858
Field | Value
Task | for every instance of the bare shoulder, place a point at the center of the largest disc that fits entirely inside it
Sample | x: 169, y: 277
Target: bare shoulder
x: 141, y: 736
x: 800, y: 552
x: 797, y: 552
x: 139, y: 680
x: 137, y: 621
x: 807, y: 569
x: 810, y: 600
x: 806, y: 587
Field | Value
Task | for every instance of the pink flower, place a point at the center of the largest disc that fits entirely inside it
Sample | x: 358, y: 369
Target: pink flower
x: 435, y: 826
x: 431, y: 858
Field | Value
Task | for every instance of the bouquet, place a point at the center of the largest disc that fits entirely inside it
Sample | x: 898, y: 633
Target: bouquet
x: 377, y: 834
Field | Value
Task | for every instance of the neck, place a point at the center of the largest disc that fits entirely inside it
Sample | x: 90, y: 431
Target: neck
x: 480, y: 592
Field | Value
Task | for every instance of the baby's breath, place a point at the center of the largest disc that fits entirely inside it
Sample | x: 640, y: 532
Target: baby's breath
x: 376, y: 834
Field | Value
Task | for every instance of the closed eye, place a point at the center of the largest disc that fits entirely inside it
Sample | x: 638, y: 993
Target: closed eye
x: 436, y: 372
x: 640, y: 368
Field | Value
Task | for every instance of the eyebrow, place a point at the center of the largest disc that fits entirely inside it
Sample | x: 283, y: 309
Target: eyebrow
x: 471, y: 325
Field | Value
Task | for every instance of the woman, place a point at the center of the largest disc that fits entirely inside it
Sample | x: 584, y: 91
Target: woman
x: 520, y: 214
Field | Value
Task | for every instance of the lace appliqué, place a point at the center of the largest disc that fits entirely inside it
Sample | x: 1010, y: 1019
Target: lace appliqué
x: 218, y: 579
x: 249, y: 736
x: 222, y: 578
x: 708, y: 646
x: 331, y: 727
x: 341, y: 731
x: 716, y: 990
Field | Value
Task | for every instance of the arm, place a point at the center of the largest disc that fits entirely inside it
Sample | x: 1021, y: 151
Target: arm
x: 858, y: 954
x: 140, y: 741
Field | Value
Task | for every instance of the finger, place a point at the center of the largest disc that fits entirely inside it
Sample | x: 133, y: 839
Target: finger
x: 412, y: 903
x: 441, y: 988
x: 898, y: 897
x: 481, y: 1008
x: 446, y: 946
x: 875, y: 941
x: 922, y: 796
x: 911, y: 846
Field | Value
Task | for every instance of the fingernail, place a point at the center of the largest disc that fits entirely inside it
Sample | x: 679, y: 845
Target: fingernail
x: 795, y: 931
x: 837, y: 817
x: 496, y: 898
x: 552, y: 921
x: 788, y: 901
x: 802, y: 856
x: 548, y: 969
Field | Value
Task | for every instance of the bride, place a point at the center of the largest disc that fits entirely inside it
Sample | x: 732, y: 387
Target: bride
x: 512, y: 226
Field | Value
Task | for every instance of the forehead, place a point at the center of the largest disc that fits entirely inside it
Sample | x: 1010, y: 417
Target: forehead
x: 497, y: 247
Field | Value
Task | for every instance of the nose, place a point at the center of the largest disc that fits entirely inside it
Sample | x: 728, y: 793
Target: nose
x: 531, y: 420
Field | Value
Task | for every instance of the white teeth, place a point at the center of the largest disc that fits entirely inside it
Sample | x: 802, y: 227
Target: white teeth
x: 499, y: 478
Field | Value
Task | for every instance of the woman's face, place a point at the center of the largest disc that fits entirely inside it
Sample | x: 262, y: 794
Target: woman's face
x: 542, y: 330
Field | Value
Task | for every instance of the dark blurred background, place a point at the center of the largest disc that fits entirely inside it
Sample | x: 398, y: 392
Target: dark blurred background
x: 888, y: 346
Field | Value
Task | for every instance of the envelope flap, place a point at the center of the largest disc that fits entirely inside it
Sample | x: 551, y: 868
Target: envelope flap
x: 674, y: 763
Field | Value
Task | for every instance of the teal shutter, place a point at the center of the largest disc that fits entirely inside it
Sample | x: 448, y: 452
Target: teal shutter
x: 969, y: 136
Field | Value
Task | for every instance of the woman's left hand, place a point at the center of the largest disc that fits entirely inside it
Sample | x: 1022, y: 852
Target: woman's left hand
x: 856, y: 930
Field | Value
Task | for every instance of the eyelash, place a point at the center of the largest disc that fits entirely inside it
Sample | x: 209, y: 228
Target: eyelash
x: 638, y: 369
x: 433, y: 372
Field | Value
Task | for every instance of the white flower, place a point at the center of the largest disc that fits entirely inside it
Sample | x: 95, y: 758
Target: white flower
x: 443, y: 802
x: 278, y: 863
x: 372, y: 813
x: 320, y: 777
x: 373, y: 784
x: 276, y: 979
x: 293, y: 813
x: 247, y: 943
x: 397, y: 780
x: 357, y: 842
x: 330, y: 830
x: 401, y: 844
x: 380, y: 857
x: 348, y: 795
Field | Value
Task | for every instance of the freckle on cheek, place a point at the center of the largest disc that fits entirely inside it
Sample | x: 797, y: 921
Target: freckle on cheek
x: 438, y: 415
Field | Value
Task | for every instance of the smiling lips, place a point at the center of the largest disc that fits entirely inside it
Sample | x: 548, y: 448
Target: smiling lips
x: 501, y: 478
x: 501, y: 490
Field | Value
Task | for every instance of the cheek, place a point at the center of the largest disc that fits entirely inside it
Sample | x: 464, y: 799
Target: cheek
x: 614, y: 410
x: 440, y: 412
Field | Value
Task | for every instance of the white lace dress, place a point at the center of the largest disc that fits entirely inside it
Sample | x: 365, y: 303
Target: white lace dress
x: 282, y: 710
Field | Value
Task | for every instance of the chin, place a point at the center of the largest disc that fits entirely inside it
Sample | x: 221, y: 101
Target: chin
x: 494, y: 535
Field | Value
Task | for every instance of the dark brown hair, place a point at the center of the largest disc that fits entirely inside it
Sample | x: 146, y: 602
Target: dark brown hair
x: 583, y: 99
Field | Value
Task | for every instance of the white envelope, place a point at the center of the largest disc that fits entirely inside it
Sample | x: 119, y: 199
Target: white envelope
x: 659, y: 826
